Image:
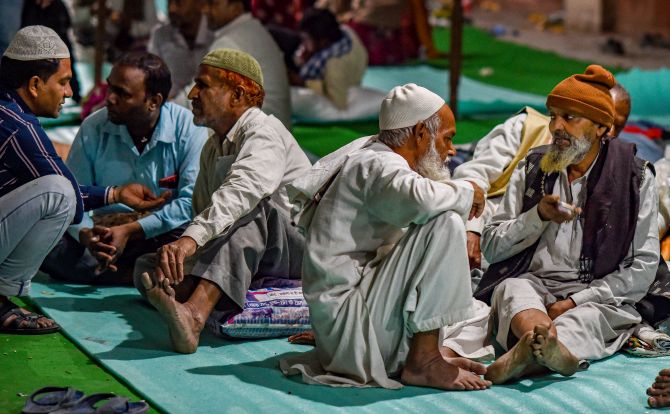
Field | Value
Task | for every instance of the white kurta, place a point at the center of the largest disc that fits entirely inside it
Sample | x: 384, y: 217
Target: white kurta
x: 256, y: 159
x: 385, y: 258
x: 492, y: 155
x: 604, y: 316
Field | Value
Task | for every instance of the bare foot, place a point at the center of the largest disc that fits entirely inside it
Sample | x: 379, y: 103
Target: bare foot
x: 303, y: 338
x: 184, y: 325
x: 448, y: 352
x: 550, y: 352
x: 468, y: 365
x: 435, y: 372
x: 659, y: 391
x: 513, y: 363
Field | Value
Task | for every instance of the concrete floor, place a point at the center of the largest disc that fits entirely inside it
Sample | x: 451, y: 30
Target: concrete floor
x: 578, y: 45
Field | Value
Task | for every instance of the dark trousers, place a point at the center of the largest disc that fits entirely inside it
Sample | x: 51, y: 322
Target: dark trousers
x: 70, y: 261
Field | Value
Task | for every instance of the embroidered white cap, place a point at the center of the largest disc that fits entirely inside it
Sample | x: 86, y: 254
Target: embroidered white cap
x: 36, y: 43
x: 407, y: 105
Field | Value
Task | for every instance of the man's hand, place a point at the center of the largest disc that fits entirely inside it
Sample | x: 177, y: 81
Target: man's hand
x: 97, y: 241
x: 474, y: 250
x: 139, y: 197
x: 171, y: 259
x: 549, y: 209
x: 117, y: 237
x: 478, y: 201
x: 557, y: 309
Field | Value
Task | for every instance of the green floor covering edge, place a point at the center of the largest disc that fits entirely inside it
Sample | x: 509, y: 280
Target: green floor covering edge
x: 30, y: 362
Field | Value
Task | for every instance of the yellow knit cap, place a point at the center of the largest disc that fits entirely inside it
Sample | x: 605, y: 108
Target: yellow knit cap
x: 586, y: 95
x: 235, y: 61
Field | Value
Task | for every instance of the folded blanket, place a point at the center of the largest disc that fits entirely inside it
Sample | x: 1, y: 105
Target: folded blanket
x: 647, y: 342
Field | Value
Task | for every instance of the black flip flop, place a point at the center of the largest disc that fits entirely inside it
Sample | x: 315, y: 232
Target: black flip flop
x: 48, y: 399
x: 114, y: 405
x: 23, y: 323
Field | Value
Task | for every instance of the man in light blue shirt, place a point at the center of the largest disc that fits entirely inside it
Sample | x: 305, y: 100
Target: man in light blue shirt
x: 138, y: 138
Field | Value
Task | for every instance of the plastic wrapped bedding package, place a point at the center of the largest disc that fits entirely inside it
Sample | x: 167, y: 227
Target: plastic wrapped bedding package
x: 269, y: 313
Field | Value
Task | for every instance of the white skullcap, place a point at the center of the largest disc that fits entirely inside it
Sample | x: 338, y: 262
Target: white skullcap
x: 407, y: 105
x: 37, y: 43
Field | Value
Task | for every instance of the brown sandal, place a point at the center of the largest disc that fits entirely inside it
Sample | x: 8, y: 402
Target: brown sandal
x: 23, y: 323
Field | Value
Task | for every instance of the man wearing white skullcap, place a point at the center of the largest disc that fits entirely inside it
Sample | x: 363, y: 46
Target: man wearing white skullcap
x: 385, y: 262
x: 39, y: 196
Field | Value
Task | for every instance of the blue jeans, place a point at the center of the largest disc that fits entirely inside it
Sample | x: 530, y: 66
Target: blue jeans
x: 10, y: 21
x: 33, y: 218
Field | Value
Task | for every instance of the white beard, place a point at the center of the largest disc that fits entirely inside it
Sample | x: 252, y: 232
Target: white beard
x: 556, y: 160
x: 431, y: 166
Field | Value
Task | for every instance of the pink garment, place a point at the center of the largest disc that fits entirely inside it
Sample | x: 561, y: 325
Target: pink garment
x: 388, y: 46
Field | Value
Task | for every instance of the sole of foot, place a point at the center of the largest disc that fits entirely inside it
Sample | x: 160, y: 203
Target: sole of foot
x: 513, y: 363
x: 548, y: 351
x: 184, y: 331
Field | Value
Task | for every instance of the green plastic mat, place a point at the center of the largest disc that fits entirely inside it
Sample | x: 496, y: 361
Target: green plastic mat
x: 127, y: 337
x: 29, y: 362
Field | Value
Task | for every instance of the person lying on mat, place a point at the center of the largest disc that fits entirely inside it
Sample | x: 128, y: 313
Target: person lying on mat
x: 500, y: 151
x: 138, y: 137
x: 659, y: 392
x: 39, y: 196
x: 385, y: 264
x: 331, y: 58
x: 574, y: 243
x: 242, y: 229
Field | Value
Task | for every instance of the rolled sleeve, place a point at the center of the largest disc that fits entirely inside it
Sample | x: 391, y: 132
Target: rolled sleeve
x: 197, y: 233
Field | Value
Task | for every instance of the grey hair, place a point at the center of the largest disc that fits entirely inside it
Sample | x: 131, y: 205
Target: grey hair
x: 622, y: 93
x: 397, y: 137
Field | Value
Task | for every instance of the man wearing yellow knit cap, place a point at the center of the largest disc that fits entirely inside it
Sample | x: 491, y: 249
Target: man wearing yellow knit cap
x: 241, y: 227
x: 574, y: 244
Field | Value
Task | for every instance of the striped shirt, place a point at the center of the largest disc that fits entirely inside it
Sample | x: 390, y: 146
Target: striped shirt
x: 26, y: 153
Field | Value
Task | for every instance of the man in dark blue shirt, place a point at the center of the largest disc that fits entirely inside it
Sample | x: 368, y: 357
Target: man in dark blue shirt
x: 39, y: 196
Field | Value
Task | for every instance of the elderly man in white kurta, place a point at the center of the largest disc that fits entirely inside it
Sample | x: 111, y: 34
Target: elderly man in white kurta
x: 385, y: 264
x: 242, y: 229
x: 574, y: 244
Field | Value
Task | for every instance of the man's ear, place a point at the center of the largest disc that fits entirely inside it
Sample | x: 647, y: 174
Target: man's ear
x: 604, y: 131
x: 155, y: 101
x: 34, y: 86
x: 239, y: 94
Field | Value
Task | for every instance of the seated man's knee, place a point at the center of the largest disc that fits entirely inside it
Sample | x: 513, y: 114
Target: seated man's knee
x: 509, y: 287
x: 65, y: 198
x: 449, y: 221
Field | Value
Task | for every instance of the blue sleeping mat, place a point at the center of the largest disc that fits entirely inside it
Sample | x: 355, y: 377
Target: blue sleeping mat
x: 117, y: 329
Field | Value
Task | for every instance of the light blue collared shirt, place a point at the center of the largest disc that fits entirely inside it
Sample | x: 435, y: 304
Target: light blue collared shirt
x: 103, y: 153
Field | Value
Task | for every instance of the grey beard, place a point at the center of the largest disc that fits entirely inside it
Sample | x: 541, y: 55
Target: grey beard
x: 431, y: 166
x: 556, y: 160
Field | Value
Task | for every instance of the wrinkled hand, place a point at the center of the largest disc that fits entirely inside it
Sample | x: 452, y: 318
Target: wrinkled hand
x: 474, y: 250
x: 557, y: 309
x: 548, y: 209
x: 97, y: 241
x: 171, y: 259
x: 478, y: 201
x: 139, y: 197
